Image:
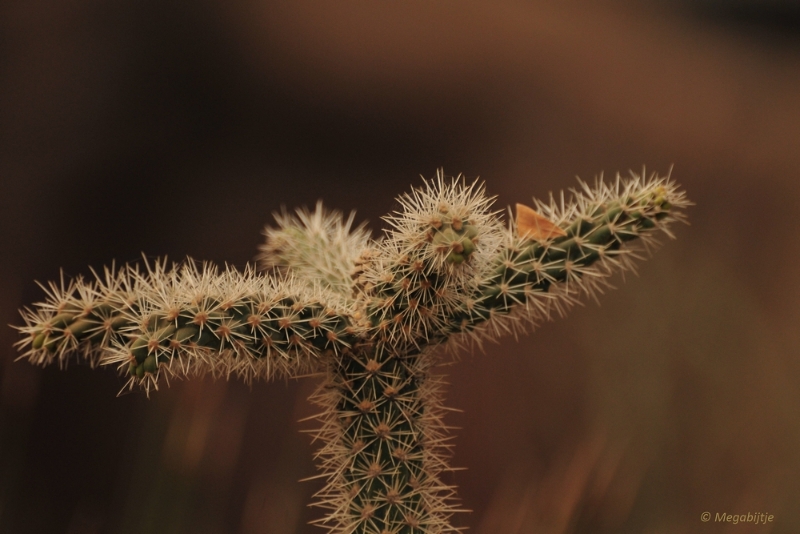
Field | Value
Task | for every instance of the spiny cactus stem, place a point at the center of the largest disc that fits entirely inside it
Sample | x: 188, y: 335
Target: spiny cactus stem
x: 385, y: 446
x: 79, y: 326
x: 534, y: 266
x: 151, y: 335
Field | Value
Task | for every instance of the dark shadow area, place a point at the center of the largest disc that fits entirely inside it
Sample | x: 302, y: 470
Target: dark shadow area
x: 773, y: 21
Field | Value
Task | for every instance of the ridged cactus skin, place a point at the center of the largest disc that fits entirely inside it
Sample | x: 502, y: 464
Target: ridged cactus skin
x: 367, y: 314
x: 188, y: 320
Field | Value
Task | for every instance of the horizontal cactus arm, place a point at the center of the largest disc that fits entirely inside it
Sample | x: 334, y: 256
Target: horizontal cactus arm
x: 597, y: 236
x: 188, y: 320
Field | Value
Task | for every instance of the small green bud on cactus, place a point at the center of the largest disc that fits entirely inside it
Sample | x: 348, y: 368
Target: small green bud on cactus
x: 366, y: 313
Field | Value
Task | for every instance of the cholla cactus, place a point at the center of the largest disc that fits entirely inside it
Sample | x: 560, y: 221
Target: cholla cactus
x: 366, y: 314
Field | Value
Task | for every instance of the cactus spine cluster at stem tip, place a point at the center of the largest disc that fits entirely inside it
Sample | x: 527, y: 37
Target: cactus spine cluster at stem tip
x: 366, y: 314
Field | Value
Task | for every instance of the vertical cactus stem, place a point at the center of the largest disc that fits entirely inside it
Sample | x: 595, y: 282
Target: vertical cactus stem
x: 382, y: 452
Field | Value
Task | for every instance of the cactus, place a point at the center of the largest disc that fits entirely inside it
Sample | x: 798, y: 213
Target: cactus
x: 367, y: 315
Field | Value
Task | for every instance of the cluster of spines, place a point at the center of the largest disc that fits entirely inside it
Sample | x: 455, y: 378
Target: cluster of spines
x: 437, y: 250
x: 189, y: 320
x: 315, y: 246
x: 385, y: 445
x: 441, y: 222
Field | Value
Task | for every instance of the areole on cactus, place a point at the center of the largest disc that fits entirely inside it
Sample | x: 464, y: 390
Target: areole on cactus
x: 366, y: 314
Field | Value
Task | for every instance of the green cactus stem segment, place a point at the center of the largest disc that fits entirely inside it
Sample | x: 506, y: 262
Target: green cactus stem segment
x: 384, y: 445
x: 224, y: 330
x: 406, y: 304
x: 454, y: 240
x: 533, y: 267
x: 264, y: 328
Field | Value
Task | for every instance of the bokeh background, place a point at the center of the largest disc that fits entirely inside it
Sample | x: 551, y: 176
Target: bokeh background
x: 176, y: 127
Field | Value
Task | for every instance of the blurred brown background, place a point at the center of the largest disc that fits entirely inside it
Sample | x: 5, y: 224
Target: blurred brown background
x: 176, y: 127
